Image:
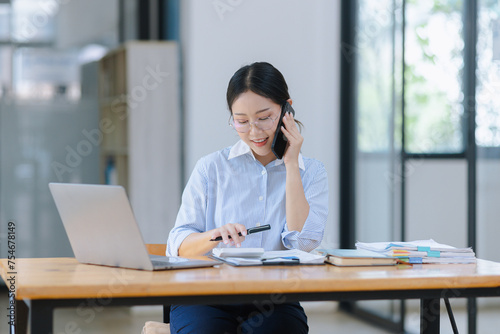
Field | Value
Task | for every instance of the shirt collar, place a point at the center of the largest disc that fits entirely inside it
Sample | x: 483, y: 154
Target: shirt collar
x: 241, y: 148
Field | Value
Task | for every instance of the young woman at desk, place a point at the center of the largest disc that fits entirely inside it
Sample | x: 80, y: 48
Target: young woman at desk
x: 244, y: 186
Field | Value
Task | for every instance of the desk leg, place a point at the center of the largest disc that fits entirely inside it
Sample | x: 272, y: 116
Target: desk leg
x: 429, y: 316
x: 166, y: 314
x: 22, y: 312
x: 42, y: 317
x: 472, y: 315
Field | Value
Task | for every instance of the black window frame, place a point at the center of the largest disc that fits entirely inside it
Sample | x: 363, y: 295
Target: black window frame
x: 348, y: 144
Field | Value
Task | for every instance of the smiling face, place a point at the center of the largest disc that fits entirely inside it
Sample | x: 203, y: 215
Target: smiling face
x: 248, y: 108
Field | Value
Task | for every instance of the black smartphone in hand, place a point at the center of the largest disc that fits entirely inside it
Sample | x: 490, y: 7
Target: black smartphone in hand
x: 280, y: 142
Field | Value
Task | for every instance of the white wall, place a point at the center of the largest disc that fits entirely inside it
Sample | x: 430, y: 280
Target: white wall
x: 436, y: 202
x: 300, y: 38
x: 81, y: 22
x: 374, y: 206
x: 488, y: 209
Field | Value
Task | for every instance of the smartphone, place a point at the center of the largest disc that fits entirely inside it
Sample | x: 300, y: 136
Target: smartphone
x: 280, y: 142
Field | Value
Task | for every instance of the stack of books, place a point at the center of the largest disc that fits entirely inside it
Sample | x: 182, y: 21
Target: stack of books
x: 421, y: 251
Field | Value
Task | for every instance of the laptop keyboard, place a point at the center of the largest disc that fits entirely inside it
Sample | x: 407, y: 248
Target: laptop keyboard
x: 166, y: 261
x: 159, y: 264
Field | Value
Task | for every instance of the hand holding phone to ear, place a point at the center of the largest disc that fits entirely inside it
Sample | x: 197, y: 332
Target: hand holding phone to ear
x: 295, y: 140
x: 297, y: 206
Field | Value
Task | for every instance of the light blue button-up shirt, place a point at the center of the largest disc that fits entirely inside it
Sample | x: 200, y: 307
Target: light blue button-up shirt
x: 231, y: 186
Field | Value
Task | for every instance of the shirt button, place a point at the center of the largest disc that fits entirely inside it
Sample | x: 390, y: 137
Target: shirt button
x: 261, y: 198
x: 263, y: 172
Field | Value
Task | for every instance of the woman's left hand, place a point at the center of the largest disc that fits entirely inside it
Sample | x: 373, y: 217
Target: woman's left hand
x: 295, y: 140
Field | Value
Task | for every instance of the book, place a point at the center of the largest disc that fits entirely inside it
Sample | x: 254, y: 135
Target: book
x: 357, y: 257
x: 421, y: 251
x: 257, y: 257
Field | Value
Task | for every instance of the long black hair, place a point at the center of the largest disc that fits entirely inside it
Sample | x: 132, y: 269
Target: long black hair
x: 261, y: 78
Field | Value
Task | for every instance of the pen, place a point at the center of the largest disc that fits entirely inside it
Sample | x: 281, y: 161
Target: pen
x: 249, y: 231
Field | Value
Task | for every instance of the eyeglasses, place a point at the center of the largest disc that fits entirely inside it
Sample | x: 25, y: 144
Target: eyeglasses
x: 243, y: 126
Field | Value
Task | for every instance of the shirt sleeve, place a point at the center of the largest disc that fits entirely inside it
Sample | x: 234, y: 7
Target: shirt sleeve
x: 310, y: 237
x: 191, y: 217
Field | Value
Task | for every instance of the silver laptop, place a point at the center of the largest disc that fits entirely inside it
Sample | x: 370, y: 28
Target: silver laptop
x: 102, y: 229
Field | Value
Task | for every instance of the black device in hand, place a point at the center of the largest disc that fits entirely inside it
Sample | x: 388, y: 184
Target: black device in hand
x: 250, y: 230
x: 280, y: 142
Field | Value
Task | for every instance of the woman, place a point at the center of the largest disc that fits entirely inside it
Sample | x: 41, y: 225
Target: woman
x: 245, y: 186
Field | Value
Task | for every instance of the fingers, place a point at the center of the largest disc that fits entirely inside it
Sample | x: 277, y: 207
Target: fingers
x: 294, y: 137
x: 230, y: 234
x: 233, y: 231
x: 289, y: 122
x: 290, y: 129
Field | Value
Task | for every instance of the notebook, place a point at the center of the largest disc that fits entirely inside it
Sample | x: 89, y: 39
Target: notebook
x: 258, y: 257
x: 102, y: 229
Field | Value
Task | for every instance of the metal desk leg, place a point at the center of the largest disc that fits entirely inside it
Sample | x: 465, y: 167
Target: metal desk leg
x: 450, y: 315
x: 472, y: 315
x: 42, y: 317
x: 166, y: 314
x: 429, y: 316
x: 22, y: 312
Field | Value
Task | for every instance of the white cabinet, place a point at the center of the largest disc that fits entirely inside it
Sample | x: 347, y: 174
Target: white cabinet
x: 139, y: 102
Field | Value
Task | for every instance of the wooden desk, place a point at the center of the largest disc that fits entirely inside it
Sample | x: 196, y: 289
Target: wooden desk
x: 48, y: 283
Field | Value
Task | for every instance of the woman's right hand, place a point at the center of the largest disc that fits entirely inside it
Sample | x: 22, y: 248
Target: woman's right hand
x: 230, y: 230
x: 197, y: 244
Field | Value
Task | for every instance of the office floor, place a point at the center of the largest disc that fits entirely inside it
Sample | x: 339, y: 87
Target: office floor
x: 324, y: 317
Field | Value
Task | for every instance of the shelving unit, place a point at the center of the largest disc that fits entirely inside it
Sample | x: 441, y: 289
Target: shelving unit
x: 140, y: 127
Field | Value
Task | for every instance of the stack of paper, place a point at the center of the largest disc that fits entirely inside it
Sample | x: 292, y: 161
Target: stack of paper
x: 421, y: 251
x: 303, y: 257
x: 257, y: 257
x: 239, y: 256
x: 238, y: 252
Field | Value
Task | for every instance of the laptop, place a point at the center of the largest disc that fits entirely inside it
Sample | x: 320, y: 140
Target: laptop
x: 102, y: 229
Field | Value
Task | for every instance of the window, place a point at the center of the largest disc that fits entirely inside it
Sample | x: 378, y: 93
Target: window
x: 488, y: 75
x: 419, y: 96
x: 4, y: 22
x: 6, y: 73
x: 33, y: 21
x: 44, y: 73
x: 35, y: 69
x: 375, y: 48
x: 433, y: 76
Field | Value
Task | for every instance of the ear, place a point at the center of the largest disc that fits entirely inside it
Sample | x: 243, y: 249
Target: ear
x: 289, y: 101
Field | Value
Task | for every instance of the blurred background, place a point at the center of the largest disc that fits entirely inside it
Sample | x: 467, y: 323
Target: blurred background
x: 50, y: 55
x: 399, y: 99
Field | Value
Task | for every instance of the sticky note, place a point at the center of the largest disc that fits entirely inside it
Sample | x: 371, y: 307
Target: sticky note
x: 415, y: 259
